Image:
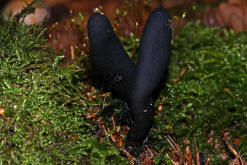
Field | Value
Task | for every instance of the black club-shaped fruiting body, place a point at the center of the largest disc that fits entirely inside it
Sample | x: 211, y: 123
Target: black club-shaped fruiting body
x: 151, y: 65
x: 109, y: 58
x: 134, y: 84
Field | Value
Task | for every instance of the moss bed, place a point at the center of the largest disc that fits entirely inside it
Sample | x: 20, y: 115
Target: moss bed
x: 49, y: 108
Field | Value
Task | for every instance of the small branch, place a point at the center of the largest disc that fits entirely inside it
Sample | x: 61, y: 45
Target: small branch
x: 113, y: 122
x: 104, y: 129
x: 113, y: 139
x: 175, y: 148
x: 181, y: 74
x: 197, y: 156
x: 128, y: 154
x: 189, y: 155
x: 207, y: 161
x: 232, y: 150
x: 72, y: 52
x: 149, y: 151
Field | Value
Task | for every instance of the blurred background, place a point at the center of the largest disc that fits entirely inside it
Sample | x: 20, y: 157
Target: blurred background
x: 66, y: 20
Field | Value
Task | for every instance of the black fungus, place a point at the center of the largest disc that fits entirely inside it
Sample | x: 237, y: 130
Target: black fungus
x: 135, y: 84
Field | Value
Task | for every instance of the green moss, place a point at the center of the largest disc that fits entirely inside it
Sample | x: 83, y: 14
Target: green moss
x: 211, y: 96
x: 44, y: 104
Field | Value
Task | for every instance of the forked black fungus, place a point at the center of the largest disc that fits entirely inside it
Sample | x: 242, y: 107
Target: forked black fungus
x: 135, y: 85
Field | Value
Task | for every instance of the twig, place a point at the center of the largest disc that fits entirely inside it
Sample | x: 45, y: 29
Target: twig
x: 104, y: 129
x: 197, y: 156
x: 189, y: 155
x: 207, y: 161
x: 128, y: 154
x: 113, y: 122
x: 232, y: 150
x: 176, y: 148
x: 181, y: 74
x: 149, y: 151
x: 113, y: 139
x: 72, y: 52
